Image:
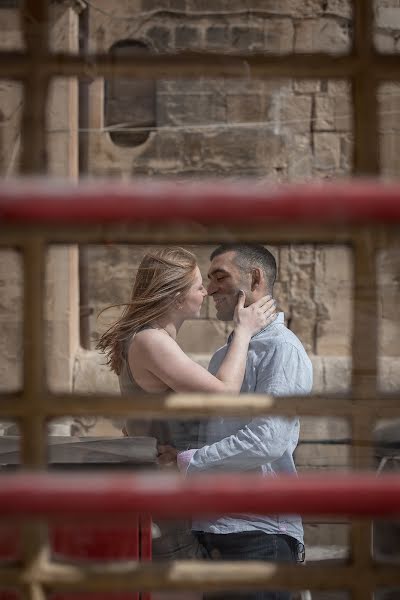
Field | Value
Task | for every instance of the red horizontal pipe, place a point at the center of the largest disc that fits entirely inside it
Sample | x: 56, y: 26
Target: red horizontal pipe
x: 356, y: 201
x: 171, y: 496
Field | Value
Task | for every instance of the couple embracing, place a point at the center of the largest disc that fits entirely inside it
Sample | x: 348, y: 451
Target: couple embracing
x: 261, y: 355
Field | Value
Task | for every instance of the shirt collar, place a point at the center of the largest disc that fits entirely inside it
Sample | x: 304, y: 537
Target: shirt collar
x: 280, y: 319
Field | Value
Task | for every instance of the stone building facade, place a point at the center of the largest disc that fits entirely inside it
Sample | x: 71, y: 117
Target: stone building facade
x: 272, y: 130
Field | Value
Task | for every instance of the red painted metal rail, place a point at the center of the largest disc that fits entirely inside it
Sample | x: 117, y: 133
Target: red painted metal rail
x: 63, y: 495
x: 352, y: 202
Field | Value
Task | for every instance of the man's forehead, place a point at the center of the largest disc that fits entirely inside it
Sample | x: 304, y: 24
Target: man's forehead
x: 222, y: 262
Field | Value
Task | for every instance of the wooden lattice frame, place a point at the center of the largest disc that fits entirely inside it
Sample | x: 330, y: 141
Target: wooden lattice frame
x: 366, y: 69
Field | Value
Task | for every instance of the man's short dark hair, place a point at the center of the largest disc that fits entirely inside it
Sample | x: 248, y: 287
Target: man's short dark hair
x: 248, y: 256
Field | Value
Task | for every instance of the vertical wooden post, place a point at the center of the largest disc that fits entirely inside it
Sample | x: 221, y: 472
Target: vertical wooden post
x: 34, y: 17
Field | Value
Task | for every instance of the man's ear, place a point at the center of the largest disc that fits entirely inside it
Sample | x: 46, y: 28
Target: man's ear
x: 256, y: 278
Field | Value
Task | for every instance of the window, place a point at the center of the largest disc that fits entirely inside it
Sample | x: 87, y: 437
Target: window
x: 129, y: 104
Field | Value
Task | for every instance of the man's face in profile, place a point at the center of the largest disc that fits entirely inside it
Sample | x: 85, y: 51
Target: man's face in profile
x: 225, y: 281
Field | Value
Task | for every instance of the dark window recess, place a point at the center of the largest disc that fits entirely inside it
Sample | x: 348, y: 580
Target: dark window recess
x: 10, y: 3
x: 129, y: 104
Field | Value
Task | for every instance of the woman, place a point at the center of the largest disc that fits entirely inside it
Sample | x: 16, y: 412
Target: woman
x: 142, y: 350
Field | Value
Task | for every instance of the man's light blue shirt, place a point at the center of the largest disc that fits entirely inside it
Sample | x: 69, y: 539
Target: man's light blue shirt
x: 277, y: 364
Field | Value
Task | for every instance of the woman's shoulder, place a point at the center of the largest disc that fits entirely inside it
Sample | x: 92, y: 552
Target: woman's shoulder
x: 146, y: 337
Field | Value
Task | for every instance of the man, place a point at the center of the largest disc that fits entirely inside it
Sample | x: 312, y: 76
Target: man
x: 277, y: 365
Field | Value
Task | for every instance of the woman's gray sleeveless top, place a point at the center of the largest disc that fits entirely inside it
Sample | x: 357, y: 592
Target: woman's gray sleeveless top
x: 176, y: 539
x: 182, y: 434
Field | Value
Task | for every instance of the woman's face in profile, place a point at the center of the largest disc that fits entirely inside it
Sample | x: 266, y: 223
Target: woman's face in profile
x: 193, y: 301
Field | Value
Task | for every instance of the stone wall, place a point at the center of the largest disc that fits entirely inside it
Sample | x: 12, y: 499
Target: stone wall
x: 275, y: 130
x: 10, y: 261
x: 279, y: 129
x: 62, y: 299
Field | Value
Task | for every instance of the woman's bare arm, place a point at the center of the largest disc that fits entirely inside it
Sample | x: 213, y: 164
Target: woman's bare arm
x: 165, y: 360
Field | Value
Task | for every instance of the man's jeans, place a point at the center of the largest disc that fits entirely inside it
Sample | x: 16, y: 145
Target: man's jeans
x: 248, y: 545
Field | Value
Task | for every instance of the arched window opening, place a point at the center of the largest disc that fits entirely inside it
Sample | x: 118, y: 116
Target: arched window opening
x: 129, y: 104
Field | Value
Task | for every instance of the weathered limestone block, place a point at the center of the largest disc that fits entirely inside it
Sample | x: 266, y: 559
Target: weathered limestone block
x: 337, y: 87
x: 149, y: 5
x: 324, y: 114
x: 389, y: 373
x: 10, y: 26
x: 62, y: 315
x: 190, y: 106
x: 279, y: 35
x: 10, y: 320
x: 302, y: 318
x: 388, y: 270
x: 293, y: 113
x: 257, y: 149
x: 340, y: 8
x: 322, y: 428
x: 388, y: 17
x: 384, y: 42
x: 346, y: 152
x: 333, y: 291
x: 187, y: 37
x: 92, y: 375
x: 326, y: 151
x: 307, y: 86
x: 337, y: 374
x: 318, y: 373
x: 202, y: 254
x: 300, y: 160
x: 305, y: 9
x: 322, y: 35
x: 332, y: 374
x: 332, y: 457
x: 205, y: 334
x: 247, y: 39
x: 390, y: 153
x: 389, y: 107
x: 218, y: 36
x: 295, y: 284
x: 10, y: 354
x: 10, y: 115
x: 160, y: 37
x: 247, y: 107
x: 326, y: 541
x: 284, y: 263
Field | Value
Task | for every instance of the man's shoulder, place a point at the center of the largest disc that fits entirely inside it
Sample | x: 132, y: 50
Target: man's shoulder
x: 282, y: 364
x: 277, y: 337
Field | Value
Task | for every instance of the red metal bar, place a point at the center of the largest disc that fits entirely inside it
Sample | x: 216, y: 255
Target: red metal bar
x: 50, y: 495
x: 357, y: 201
x: 146, y: 543
x: 97, y: 540
x: 146, y: 539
